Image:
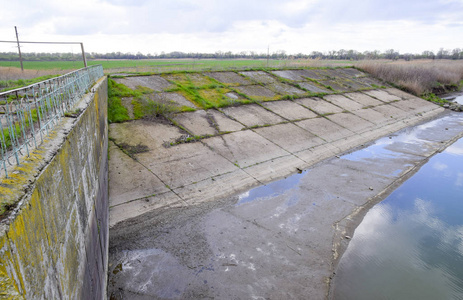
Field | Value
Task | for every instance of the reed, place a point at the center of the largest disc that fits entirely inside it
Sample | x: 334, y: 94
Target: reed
x: 417, y: 77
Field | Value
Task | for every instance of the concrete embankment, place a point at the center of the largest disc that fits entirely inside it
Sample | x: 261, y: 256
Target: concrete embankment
x: 261, y: 143
x: 54, y: 240
x: 182, y: 223
x: 277, y: 241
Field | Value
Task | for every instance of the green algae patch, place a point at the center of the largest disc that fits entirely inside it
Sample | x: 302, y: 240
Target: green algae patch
x: 194, y: 79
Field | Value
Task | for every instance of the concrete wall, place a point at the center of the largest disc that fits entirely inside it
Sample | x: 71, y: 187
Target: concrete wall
x: 54, y: 242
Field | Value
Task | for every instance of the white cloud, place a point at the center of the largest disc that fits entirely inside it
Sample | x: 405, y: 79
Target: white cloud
x: 211, y: 25
x: 439, y: 166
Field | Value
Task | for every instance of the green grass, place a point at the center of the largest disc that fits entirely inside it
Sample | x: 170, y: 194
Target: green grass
x: 188, y: 64
x: 433, y: 98
x: 6, y: 85
x: 161, y: 65
x: 116, y: 111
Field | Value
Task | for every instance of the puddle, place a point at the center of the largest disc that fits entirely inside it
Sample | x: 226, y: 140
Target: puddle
x: 272, y: 189
x: 382, y: 149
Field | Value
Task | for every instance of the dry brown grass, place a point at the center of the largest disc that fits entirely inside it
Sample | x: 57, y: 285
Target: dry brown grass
x: 11, y: 73
x: 418, y: 77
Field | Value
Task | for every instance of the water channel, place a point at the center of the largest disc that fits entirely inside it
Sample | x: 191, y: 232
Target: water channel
x: 410, y: 246
x: 276, y: 241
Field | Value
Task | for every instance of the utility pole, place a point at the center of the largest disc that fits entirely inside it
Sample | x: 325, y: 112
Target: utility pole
x: 19, y: 50
x: 83, y: 54
x: 268, y: 53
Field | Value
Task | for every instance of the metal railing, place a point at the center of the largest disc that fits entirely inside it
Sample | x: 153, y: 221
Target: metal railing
x: 27, y: 114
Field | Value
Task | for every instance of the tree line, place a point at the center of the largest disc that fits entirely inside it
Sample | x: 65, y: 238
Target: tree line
x: 342, y: 54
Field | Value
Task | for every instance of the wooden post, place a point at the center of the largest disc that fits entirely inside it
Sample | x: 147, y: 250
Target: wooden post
x: 19, y: 50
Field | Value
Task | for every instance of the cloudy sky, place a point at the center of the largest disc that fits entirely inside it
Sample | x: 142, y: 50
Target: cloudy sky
x: 153, y: 26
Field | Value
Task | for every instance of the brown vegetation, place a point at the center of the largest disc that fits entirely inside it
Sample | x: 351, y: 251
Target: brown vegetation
x: 418, y: 77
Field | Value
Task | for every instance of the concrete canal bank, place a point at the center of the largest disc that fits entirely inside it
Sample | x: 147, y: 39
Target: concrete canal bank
x: 186, y: 223
x: 280, y: 240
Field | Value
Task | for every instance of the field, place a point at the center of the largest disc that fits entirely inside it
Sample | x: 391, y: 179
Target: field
x: 420, y: 77
x: 159, y: 65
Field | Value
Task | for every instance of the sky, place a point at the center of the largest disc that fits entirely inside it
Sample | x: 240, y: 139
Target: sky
x: 296, y: 26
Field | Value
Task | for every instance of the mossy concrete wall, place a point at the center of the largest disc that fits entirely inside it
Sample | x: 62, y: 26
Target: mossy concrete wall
x: 54, y: 240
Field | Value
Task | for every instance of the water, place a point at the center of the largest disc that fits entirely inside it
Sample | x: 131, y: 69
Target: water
x: 272, y: 189
x: 459, y: 99
x: 410, y: 246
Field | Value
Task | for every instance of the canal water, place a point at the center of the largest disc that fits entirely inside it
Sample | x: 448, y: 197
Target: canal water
x: 410, y: 246
x: 458, y: 98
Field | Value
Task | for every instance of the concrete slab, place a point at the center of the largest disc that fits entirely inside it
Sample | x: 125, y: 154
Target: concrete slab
x: 224, y: 123
x: 154, y: 82
x: 325, y: 129
x: 326, y: 73
x: 351, y: 72
x: 129, y: 179
x: 196, y: 79
x: 401, y: 94
x: 317, y: 153
x: 257, y: 92
x: 378, y: 161
x: 311, y: 87
x: 275, y: 168
x: 334, y: 85
x: 259, y: 76
x: 351, y: 121
x: 231, y: 78
x: 352, y: 84
x: 172, y: 98
x: 373, y: 83
x: 382, y: 95
x: 319, y: 105
x: 363, y: 99
x: 442, y: 129
x: 252, y: 115
x: 138, y: 207
x: 285, y: 89
x: 415, y: 105
x: 293, y: 75
x: 197, y: 122
x: 184, y: 164
x: 216, y: 187
x: 151, y: 134
x: 289, y: 137
x: 346, y: 143
x: 244, y: 148
x: 309, y: 74
x: 372, y: 116
x: 343, y: 102
x: 289, y: 110
x: 390, y: 111
x: 338, y: 178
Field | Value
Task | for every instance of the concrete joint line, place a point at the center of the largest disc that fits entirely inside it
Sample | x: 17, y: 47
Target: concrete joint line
x: 166, y: 185
x: 239, y: 167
